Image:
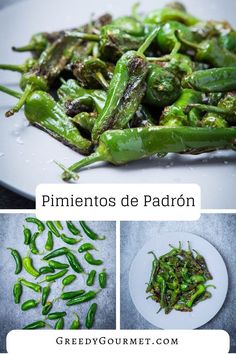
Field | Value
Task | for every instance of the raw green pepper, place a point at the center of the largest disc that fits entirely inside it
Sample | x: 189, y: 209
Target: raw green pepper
x: 90, y: 317
x: 82, y: 298
x: 47, y: 308
x: 53, y: 277
x: 102, y: 278
x: 60, y: 323
x: 29, y: 304
x: 91, y: 260
x: 17, y: 292
x: 86, y: 247
x: 69, y: 279
x: 49, y: 243
x: 90, y: 233
x: 57, y: 265
x: 36, y: 325
x: 28, y: 266
x: 74, y: 263
x: 76, y: 323
x: 72, y: 228
x: 56, y: 315
x: 46, y: 270
x: 56, y: 253
x: 52, y: 228
x: 70, y: 240
x: 45, y: 294
x: 17, y: 258
x: 27, y: 235
x: 40, y: 225
x: 28, y: 284
x: 71, y: 294
x: 91, y: 278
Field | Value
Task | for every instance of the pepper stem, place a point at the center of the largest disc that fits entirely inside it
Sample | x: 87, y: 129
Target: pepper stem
x: 101, y: 79
x: 28, y: 90
x: 148, y: 41
x: 25, y: 48
x: 11, y: 67
x: 10, y: 92
x: 134, y: 10
x: 185, y: 41
x: 69, y: 173
x: 208, y: 108
x: 82, y: 35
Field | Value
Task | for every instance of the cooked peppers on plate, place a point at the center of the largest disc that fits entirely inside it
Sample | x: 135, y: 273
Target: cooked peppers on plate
x: 179, y: 279
x: 124, y: 89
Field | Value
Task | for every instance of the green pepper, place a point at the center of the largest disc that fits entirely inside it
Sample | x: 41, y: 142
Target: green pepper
x: 176, y: 5
x: 45, y: 294
x: 58, y: 224
x: 167, y: 14
x: 91, y: 73
x: 49, y: 243
x: 90, y: 233
x: 86, y: 247
x: 174, y: 115
x: 163, y: 88
x: 27, y: 235
x: 72, y: 228
x: 38, y: 43
x: 200, y: 290
x: 76, y: 323
x: 57, y: 265
x: 214, y: 120
x: 28, y: 266
x: 74, y: 263
x: 56, y: 253
x: 71, y: 294
x: 29, y: 304
x: 36, y: 325
x: 228, y: 41
x: 47, y: 308
x: 69, y: 279
x: 90, y: 317
x: 59, y: 324
x: 102, y: 278
x: 210, y: 51
x: 53, y: 228
x: 155, y: 265
x: 212, y: 80
x: 120, y: 147
x: 21, y: 68
x: 91, y: 278
x: 85, y: 120
x: 17, y: 292
x: 28, y: 284
x: 70, y: 240
x: 46, y: 270
x: 82, y: 298
x: 130, y: 25
x: 70, y: 91
x: 128, y: 81
x: 56, y: 315
x: 37, y: 222
x: 53, y: 277
x: 91, y: 260
x: 198, y: 279
x: 166, y: 38
x: 32, y: 245
x: 17, y: 258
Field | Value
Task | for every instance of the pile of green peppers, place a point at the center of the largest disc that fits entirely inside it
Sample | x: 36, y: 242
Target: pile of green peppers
x: 178, y: 280
x: 52, y: 271
x: 164, y: 82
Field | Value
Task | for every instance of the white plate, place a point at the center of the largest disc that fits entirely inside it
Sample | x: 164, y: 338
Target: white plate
x: 26, y: 153
x: 140, y: 273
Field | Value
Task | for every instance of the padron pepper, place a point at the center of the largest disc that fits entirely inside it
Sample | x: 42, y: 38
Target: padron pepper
x: 167, y: 14
x: 163, y: 88
x: 212, y: 80
x: 119, y: 147
x: 210, y: 51
x: 126, y: 91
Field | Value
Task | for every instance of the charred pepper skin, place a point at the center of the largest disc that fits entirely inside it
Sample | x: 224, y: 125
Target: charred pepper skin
x: 163, y: 88
x: 126, y: 90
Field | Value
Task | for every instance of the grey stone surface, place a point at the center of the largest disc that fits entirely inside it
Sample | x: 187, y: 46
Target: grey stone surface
x: 219, y: 229
x: 11, y: 316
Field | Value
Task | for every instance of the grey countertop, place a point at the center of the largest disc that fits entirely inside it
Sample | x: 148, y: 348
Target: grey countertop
x: 219, y: 229
x: 11, y: 316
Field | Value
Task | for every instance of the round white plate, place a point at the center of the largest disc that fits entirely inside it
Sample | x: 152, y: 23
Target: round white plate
x: 26, y: 153
x: 140, y: 273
